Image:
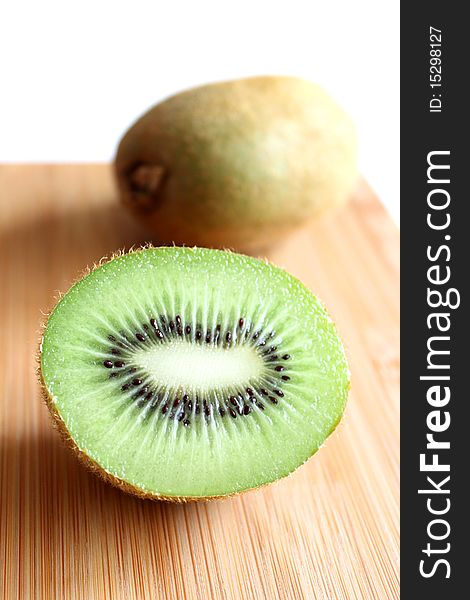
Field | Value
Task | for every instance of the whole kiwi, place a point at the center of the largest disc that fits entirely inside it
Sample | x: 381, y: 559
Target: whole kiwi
x: 237, y: 164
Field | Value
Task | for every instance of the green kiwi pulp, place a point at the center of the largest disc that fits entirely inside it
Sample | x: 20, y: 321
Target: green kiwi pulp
x: 193, y: 373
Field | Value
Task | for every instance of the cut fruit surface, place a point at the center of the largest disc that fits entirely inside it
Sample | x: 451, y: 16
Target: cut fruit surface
x: 191, y: 373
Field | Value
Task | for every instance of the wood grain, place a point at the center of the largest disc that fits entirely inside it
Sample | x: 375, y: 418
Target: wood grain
x: 330, y: 531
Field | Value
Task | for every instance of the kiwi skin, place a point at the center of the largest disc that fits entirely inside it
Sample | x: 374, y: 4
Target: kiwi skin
x: 91, y: 464
x: 238, y: 164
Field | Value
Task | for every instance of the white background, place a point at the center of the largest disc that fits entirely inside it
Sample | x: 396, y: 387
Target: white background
x: 75, y: 75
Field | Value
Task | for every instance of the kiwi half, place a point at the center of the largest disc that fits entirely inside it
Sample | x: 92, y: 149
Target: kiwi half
x: 184, y: 374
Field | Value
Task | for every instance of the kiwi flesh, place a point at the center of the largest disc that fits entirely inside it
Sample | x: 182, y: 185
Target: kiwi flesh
x: 187, y: 374
x: 237, y: 164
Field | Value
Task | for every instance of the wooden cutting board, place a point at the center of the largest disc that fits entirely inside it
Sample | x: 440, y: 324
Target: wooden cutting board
x: 329, y: 531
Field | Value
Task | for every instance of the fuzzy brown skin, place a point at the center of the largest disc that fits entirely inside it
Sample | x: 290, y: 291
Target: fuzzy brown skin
x: 238, y: 164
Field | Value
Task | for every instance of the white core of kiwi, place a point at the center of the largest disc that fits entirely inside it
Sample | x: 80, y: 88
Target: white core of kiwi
x: 201, y: 368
